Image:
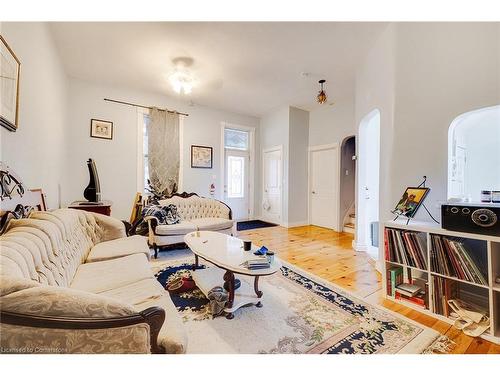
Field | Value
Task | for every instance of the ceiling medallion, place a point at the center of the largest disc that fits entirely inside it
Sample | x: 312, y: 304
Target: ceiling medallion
x: 322, y: 94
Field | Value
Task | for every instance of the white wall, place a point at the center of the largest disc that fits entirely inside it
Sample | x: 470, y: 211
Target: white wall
x: 298, y: 167
x: 332, y: 123
x: 421, y: 76
x: 117, y: 159
x: 289, y: 127
x: 274, y: 131
x: 443, y: 70
x: 37, y: 150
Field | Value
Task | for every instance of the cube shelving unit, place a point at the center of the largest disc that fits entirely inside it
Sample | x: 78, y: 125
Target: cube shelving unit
x: 488, y: 296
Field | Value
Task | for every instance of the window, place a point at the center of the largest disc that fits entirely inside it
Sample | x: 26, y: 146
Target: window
x: 474, y: 154
x: 236, y: 139
x: 236, y: 177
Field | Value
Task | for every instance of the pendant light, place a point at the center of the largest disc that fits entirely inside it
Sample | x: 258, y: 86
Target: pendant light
x: 322, y: 94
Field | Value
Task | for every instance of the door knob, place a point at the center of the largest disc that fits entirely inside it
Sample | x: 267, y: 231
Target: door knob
x: 313, y: 192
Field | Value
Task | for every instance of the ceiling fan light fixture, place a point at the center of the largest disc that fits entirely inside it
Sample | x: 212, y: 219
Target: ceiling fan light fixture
x: 322, y: 97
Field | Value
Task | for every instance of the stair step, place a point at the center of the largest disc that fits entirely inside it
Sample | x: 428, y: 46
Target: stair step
x: 348, y: 229
x: 352, y: 215
x: 349, y: 225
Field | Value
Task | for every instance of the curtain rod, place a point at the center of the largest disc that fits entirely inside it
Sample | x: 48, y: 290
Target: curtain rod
x: 144, y: 106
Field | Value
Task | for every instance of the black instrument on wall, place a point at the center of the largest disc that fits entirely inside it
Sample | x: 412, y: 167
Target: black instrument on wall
x: 471, y: 218
x: 93, y: 191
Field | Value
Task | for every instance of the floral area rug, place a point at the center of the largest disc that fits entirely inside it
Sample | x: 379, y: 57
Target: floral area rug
x: 301, y: 314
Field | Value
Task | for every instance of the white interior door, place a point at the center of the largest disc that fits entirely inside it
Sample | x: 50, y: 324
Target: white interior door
x: 323, y: 187
x: 272, y: 185
x: 237, y: 183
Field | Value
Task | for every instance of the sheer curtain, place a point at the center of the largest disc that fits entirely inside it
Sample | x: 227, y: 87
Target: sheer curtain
x: 163, y: 151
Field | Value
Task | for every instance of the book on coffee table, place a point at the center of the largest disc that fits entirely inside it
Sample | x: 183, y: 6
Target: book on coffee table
x: 257, y: 263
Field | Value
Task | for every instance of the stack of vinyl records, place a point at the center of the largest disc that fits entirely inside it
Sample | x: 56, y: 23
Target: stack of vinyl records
x: 406, y: 247
x: 450, y: 257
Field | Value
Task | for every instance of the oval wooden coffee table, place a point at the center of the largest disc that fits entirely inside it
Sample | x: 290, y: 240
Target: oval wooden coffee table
x: 227, y: 254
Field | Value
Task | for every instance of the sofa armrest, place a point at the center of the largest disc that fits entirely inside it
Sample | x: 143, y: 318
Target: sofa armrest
x: 35, y: 314
x: 27, y: 332
x: 113, y: 228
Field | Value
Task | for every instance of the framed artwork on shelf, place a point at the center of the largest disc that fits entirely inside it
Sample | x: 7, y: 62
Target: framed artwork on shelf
x: 201, y: 156
x: 101, y: 129
x: 411, y: 200
x: 10, y: 67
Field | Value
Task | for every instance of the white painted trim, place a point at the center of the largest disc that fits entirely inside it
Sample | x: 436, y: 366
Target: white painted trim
x: 251, y: 152
x: 180, y: 186
x: 272, y: 149
x: 359, y: 179
x: 329, y: 146
x: 140, y: 151
x: 296, y: 224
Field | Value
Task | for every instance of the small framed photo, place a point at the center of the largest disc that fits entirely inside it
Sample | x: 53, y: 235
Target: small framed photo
x: 411, y: 200
x: 9, y: 87
x: 101, y: 129
x: 201, y: 156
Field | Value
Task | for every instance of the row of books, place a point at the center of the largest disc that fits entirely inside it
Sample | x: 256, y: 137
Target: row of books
x: 406, y: 247
x: 415, y: 290
x: 444, y: 290
x: 450, y: 257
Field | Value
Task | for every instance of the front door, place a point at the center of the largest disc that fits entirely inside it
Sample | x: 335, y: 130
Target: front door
x: 323, y: 167
x: 272, y: 182
x: 237, y: 184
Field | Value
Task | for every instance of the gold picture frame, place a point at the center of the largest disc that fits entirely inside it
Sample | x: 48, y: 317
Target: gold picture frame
x: 9, y: 87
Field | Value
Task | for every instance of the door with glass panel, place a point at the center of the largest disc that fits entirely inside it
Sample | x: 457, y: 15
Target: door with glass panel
x: 236, y: 172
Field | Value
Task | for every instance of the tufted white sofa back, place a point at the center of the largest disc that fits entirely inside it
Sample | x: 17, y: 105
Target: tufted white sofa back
x: 195, y: 207
x: 48, y: 247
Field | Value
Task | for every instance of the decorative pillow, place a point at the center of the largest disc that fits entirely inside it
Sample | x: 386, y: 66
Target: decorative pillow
x: 164, y: 214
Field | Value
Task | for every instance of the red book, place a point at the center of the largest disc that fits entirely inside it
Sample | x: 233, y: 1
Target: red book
x: 415, y: 299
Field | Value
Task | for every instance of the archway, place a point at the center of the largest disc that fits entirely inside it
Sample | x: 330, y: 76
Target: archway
x: 474, y: 154
x: 367, y: 195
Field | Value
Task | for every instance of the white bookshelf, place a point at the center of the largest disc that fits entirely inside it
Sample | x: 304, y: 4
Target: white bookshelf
x: 490, y: 291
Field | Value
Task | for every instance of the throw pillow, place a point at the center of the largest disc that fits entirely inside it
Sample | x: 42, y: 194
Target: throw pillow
x: 164, y: 214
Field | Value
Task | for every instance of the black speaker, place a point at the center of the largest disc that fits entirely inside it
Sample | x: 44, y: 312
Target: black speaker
x: 471, y: 218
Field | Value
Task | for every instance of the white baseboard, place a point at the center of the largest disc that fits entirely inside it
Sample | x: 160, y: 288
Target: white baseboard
x: 296, y: 224
x: 358, y: 247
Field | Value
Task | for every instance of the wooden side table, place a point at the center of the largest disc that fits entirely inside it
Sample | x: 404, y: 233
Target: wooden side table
x: 102, y: 207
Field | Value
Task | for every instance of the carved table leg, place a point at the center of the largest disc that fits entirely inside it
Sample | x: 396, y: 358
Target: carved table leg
x: 195, y: 265
x: 257, y: 291
x: 229, y: 278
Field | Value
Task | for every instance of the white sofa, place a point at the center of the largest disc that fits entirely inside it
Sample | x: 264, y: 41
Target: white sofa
x: 71, y: 282
x: 196, y: 213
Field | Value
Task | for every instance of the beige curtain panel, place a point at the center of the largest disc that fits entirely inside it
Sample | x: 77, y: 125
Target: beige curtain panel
x: 163, y: 151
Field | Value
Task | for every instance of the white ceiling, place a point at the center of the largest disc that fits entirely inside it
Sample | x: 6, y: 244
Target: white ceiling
x: 247, y: 68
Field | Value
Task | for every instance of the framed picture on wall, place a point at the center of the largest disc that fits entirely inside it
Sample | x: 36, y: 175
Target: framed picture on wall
x: 101, y: 129
x: 9, y: 87
x: 201, y: 156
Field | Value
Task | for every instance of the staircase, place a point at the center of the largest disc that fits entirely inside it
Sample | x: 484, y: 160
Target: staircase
x: 350, y: 223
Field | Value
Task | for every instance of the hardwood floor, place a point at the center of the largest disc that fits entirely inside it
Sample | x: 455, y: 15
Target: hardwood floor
x: 329, y: 255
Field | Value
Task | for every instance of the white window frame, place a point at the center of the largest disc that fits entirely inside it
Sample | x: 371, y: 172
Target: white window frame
x: 251, y: 164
